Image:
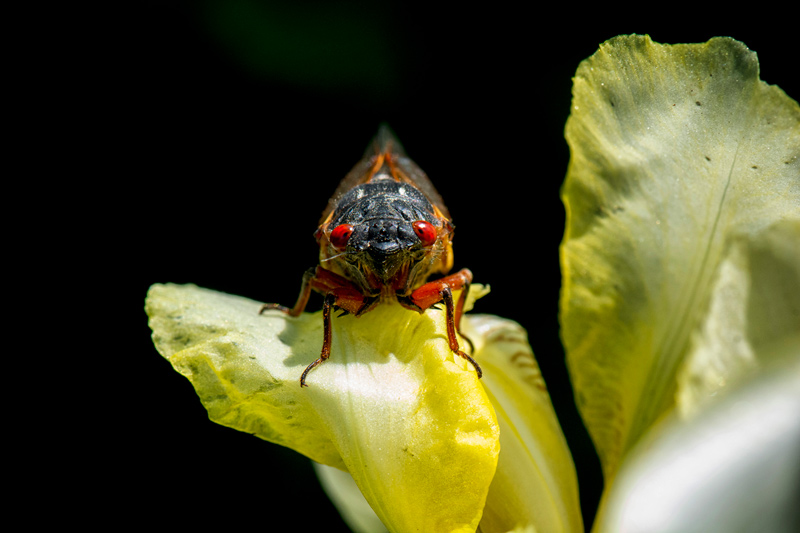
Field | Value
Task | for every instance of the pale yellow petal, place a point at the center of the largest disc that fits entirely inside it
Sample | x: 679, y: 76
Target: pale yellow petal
x: 675, y: 151
x: 346, y: 496
x: 535, y: 485
x: 393, y: 405
x: 244, y: 367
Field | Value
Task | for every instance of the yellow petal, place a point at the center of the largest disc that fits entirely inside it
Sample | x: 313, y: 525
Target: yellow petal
x: 392, y: 405
x: 535, y: 487
x: 240, y: 364
x: 414, y: 427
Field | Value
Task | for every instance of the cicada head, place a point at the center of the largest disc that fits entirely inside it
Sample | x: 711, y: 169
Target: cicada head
x: 385, y: 234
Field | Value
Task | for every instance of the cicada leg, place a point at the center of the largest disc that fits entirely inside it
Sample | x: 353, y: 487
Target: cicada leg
x: 339, y: 293
x: 330, y: 298
x: 302, y: 300
x: 441, y: 290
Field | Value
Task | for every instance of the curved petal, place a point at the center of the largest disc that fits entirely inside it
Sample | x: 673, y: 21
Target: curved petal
x: 535, y: 486
x: 244, y: 367
x: 733, y: 467
x: 676, y: 151
x: 346, y: 496
x: 391, y: 406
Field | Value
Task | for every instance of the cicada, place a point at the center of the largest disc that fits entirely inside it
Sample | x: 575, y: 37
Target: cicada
x: 384, y: 232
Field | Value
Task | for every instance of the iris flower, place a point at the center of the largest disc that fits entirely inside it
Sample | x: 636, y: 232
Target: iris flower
x: 680, y: 315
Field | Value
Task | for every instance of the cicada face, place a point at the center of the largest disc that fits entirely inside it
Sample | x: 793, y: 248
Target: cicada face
x: 382, y: 231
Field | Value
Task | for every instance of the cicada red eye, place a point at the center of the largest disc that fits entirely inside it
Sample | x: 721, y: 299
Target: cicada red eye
x: 425, y: 231
x: 340, y: 235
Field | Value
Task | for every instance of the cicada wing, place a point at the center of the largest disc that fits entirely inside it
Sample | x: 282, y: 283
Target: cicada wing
x: 386, y: 150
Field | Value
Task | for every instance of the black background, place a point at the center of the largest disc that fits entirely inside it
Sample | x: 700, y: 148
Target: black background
x: 223, y: 127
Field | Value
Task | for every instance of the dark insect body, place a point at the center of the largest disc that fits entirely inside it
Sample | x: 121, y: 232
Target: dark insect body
x: 384, y: 232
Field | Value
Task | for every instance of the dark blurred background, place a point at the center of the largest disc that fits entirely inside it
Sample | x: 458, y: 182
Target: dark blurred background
x: 224, y: 126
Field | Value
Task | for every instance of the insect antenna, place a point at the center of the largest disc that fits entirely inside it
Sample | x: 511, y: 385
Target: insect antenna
x: 333, y: 257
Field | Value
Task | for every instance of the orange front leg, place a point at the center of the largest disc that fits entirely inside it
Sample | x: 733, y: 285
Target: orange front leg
x: 302, y: 300
x: 339, y: 292
x: 441, y: 290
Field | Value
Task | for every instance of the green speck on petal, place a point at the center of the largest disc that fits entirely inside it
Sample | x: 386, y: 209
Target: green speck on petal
x: 392, y: 405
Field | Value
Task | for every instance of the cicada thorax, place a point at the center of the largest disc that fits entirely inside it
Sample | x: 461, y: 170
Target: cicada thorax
x: 385, y: 236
